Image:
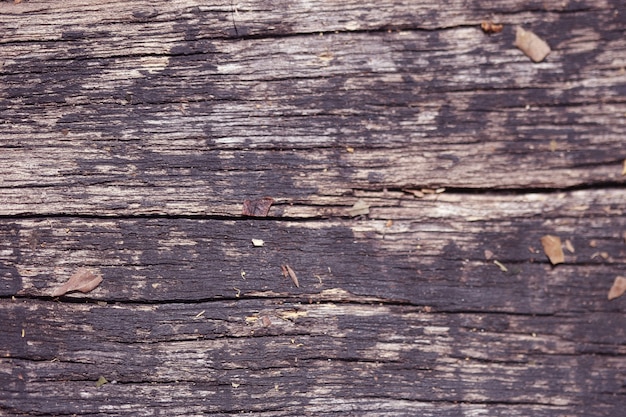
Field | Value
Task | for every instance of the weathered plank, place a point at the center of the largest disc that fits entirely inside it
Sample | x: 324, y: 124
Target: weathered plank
x: 451, y: 107
x: 132, y: 131
x: 432, y: 253
x: 225, y: 357
x: 411, y: 310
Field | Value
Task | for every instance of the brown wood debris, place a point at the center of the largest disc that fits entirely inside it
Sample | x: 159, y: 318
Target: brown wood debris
x: 489, y: 27
x: 552, y: 248
x: 288, y: 272
x: 618, y: 288
x: 83, y: 280
x: 532, y: 45
x: 257, y: 208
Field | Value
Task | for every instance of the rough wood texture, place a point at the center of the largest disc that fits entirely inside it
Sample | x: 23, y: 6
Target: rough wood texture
x: 132, y: 132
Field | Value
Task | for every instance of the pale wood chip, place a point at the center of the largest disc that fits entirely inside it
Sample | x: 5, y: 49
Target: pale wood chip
x: 552, y: 248
x: 359, y: 208
x: 618, y: 288
x: 532, y: 45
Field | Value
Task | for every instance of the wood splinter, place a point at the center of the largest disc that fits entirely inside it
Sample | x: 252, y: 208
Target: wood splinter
x: 288, y: 272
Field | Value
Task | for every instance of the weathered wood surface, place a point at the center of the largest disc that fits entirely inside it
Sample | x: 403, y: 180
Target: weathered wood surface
x: 132, y: 132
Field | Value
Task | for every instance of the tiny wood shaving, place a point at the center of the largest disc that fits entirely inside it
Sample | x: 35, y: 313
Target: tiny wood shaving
x: 552, y: 248
x: 618, y: 288
x: 500, y: 265
x: 359, y: 208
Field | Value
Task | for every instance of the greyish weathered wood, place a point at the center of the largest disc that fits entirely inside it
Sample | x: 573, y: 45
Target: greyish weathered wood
x: 307, y: 358
x: 116, y: 120
x: 131, y: 133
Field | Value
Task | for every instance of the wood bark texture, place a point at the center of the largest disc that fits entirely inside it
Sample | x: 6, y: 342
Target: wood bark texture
x: 414, y: 163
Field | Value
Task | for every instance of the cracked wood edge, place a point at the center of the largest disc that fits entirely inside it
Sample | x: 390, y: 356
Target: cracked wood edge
x: 421, y: 252
x: 308, y: 357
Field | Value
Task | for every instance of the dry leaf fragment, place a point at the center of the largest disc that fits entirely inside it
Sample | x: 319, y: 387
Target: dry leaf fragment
x: 552, y: 248
x: 288, y: 272
x: 257, y: 208
x: 618, y: 288
x: 489, y: 27
x: 569, y: 246
x: 101, y: 381
x: 83, y: 280
x: 532, y: 45
x: 624, y: 168
x: 359, y: 208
